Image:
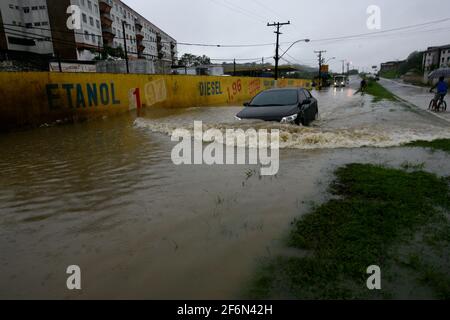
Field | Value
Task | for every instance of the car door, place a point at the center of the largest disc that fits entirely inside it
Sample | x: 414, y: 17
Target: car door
x: 314, y: 107
x: 307, y: 110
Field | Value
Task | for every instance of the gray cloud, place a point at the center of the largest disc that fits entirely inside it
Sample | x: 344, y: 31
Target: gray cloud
x: 244, y: 22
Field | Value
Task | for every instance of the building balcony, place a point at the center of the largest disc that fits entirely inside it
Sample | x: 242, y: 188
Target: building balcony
x: 108, y: 35
x: 140, y: 47
x: 106, y: 20
x: 104, y: 6
x: 139, y: 36
x: 138, y: 25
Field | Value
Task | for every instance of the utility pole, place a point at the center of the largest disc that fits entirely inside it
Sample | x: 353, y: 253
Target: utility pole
x: 124, y: 23
x: 348, y: 68
x: 320, y: 65
x: 234, y: 67
x: 277, y: 54
x: 59, y: 61
x: 343, y: 66
x: 262, y: 67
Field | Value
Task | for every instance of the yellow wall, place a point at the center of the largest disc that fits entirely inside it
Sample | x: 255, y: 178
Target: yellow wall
x: 34, y: 98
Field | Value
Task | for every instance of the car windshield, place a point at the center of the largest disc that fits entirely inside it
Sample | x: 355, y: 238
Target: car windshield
x: 275, y: 98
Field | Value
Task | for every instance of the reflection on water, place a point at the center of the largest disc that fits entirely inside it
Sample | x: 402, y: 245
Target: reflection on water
x: 106, y: 196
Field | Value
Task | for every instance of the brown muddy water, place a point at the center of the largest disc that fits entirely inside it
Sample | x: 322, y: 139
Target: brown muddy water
x: 106, y: 196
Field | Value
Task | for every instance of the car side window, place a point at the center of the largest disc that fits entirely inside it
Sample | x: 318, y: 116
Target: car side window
x: 302, y: 96
x: 308, y: 94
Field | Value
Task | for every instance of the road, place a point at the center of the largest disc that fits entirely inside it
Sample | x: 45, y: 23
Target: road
x: 419, y: 97
x: 106, y: 196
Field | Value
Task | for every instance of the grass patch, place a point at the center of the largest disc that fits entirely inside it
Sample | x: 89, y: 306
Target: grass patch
x: 392, y: 74
x: 440, y: 144
x: 376, y: 209
x: 379, y: 92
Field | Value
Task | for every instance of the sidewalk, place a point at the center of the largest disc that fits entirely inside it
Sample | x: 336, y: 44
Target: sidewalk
x: 420, y: 97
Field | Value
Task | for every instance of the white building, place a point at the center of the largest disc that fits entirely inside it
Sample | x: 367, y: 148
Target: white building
x: 144, y: 40
x: 89, y: 39
x: 26, y: 26
x: 445, y: 57
x: 39, y: 26
x: 436, y: 57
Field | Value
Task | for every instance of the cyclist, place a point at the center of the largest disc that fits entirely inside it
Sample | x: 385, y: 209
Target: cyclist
x: 442, y: 90
x: 363, y: 85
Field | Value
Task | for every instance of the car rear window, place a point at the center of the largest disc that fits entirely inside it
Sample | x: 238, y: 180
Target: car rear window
x: 275, y: 98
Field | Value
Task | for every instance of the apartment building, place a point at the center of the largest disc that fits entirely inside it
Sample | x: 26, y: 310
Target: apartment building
x: 143, y: 39
x: 40, y: 26
x: 445, y: 57
x: 25, y: 26
x: 436, y: 57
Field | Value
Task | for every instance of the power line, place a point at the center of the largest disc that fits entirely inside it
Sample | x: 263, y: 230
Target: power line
x: 262, y: 5
x: 383, y: 31
x: 235, y: 9
x: 335, y: 39
x: 245, y: 10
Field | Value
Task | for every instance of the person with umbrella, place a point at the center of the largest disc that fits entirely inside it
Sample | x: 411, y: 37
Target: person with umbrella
x: 442, y: 90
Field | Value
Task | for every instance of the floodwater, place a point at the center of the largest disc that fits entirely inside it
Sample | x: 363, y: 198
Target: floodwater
x: 106, y: 196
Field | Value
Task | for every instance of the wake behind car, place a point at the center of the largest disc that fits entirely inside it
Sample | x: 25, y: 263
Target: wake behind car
x: 287, y: 105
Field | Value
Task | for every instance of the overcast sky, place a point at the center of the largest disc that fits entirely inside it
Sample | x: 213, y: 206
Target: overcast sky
x: 245, y: 22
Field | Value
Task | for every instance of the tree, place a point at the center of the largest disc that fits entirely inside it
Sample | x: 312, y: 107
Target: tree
x: 191, y: 60
x: 412, y: 63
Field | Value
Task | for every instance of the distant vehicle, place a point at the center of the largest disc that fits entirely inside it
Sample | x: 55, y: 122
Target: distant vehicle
x: 287, y: 105
x: 340, y: 81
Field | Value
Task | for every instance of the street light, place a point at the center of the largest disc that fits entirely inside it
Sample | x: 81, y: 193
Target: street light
x: 330, y: 60
x: 293, y: 44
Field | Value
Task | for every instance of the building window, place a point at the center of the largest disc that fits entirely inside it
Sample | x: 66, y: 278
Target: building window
x: 86, y: 35
x: 34, y: 8
x: 11, y: 6
x: 45, y: 23
x: 98, y: 24
x: 82, y: 2
x: 91, y: 21
x: 90, y: 5
x: 26, y: 9
x: 84, y: 18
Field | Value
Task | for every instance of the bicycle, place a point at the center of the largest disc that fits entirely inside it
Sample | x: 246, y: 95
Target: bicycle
x: 439, y: 105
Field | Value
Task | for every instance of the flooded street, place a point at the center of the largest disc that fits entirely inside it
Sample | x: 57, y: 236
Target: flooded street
x: 106, y: 196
